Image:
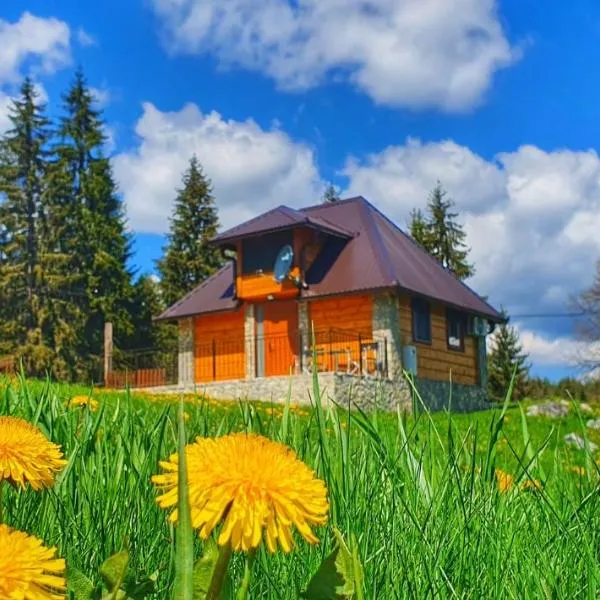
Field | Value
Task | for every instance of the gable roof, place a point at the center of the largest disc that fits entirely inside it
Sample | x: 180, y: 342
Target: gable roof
x: 369, y: 252
x: 282, y: 217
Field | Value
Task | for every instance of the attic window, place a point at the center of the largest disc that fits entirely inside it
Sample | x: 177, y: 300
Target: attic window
x: 421, y: 320
x: 455, y: 327
x: 259, y: 252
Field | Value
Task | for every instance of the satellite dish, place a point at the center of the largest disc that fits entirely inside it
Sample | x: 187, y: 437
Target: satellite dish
x: 283, y: 263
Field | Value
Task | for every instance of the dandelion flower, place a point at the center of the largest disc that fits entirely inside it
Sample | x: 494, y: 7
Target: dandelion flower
x: 29, y: 571
x: 253, y: 485
x: 83, y: 401
x: 26, y: 455
x: 505, y: 481
x: 532, y: 485
x: 577, y: 470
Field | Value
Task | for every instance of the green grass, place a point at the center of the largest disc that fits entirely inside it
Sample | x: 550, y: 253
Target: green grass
x: 418, y: 493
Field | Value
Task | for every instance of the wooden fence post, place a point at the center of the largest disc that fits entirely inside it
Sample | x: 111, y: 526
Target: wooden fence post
x: 108, y: 350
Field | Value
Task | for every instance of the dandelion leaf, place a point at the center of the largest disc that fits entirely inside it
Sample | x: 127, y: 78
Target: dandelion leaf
x: 340, y: 575
x: 81, y: 587
x: 114, y: 570
x: 204, y: 570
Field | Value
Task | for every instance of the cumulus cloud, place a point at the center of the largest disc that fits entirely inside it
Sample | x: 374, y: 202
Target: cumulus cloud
x: 431, y: 53
x: 531, y: 216
x: 252, y: 169
x: 545, y: 350
x: 45, y: 42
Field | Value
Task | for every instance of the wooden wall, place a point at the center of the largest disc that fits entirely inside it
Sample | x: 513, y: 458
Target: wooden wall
x: 436, y: 360
x: 225, y: 333
x: 349, y: 313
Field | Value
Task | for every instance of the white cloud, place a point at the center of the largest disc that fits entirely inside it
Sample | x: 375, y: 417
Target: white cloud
x: 548, y: 351
x: 252, y: 169
x: 45, y: 42
x: 531, y: 216
x: 430, y: 53
x: 85, y: 39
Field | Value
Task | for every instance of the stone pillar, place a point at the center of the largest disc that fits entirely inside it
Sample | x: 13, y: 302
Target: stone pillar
x: 250, y: 340
x: 304, y: 334
x: 386, y: 329
x: 186, y: 352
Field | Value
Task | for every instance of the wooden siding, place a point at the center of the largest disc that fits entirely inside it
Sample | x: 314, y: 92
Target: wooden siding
x: 348, y: 313
x: 436, y: 360
x: 219, y: 347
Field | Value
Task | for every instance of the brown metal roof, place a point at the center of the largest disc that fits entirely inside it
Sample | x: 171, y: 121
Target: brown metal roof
x: 378, y: 256
x: 279, y: 218
x: 214, y: 294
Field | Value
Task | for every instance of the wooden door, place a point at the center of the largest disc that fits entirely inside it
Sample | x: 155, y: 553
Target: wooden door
x: 280, y: 341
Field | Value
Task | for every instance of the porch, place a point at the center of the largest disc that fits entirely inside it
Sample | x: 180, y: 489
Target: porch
x: 291, y: 353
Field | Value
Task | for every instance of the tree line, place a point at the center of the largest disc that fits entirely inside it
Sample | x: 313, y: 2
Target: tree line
x: 65, y: 248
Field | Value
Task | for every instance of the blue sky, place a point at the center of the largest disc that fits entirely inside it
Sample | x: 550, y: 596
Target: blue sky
x: 496, y: 99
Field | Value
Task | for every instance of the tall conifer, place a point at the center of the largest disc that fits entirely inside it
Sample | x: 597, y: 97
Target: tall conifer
x: 188, y: 259
x: 102, y: 245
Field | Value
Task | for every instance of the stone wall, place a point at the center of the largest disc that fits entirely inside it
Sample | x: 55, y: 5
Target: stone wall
x: 186, y: 352
x: 386, y: 327
x: 439, y: 395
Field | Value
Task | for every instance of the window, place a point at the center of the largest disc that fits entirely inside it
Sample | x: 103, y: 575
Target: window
x: 455, y: 327
x: 259, y: 252
x: 421, y: 321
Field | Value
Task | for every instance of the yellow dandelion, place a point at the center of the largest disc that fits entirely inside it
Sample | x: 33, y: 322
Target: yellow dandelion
x: 253, y: 485
x: 83, y: 401
x: 531, y: 485
x: 577, y: 470
x: 26, y: 455
x: 29, y: 571
x: 505, y: 481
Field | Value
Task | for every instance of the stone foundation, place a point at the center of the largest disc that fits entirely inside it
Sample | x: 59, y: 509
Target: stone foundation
x: 441, y: 395
x: 368, y: 393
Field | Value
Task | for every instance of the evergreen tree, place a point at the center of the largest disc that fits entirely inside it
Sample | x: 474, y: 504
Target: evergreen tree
x: 96, y: 216
x: 419, y: 230
x: 441, y: 235
x: 505, y: 360
x: 148, y: 303
x: 188, y: 259
x: 331, y: 194
x: 22, y: 172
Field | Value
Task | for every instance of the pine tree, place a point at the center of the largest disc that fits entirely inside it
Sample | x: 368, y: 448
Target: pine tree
x: 506, y: 360
x: 419, y: 230
x: 22, y: 171
x: 188, y: 259
x: 331, y: 194
x: 441, y: 235
x: 102, y: 245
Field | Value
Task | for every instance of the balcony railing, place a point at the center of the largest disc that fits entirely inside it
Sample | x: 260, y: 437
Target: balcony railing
x: 334, y: 351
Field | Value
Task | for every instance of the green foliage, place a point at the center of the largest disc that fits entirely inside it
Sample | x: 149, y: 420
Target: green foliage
x: 505, y: 361
x: 188, y: 259
x: 331, y: 194
x: 37, y: 314
x: 340, y: 575
x: 441, y: 235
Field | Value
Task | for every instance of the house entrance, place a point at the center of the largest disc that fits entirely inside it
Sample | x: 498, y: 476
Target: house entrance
x: 276, y: 338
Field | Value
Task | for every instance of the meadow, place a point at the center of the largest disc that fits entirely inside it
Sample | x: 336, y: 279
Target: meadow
x: 484, y: 505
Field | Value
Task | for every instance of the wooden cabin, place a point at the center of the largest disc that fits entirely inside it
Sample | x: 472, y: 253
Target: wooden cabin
x: 336, y: 287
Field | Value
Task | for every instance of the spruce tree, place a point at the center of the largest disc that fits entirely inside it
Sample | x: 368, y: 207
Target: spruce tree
x: 188, y: 258
x: 419, y: 230
x: 102, y: 245
x: 506, y: 360
x: 331, y: 194
x: 441, y: 235
x: 22, y: 171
